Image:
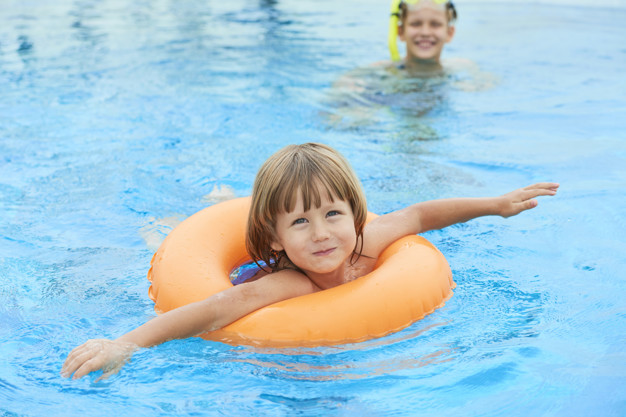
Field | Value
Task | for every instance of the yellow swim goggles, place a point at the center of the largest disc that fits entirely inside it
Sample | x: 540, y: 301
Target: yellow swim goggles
x: 392, y: 38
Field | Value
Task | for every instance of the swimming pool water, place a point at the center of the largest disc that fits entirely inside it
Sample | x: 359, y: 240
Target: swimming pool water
x: 118, y: 119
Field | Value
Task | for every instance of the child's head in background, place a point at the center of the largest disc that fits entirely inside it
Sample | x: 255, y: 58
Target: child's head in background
x: 425, y: 26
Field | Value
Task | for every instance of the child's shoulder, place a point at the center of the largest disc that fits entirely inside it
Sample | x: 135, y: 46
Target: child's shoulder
x: 385, y: 64
x: 459, y: 64
x: 468, y: 76
x: 364, y: 78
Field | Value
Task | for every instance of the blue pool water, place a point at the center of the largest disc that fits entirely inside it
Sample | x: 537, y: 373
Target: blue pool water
x: 118, y: 119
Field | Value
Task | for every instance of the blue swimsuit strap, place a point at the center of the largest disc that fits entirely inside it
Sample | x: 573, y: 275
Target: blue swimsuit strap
x: 246, y: 271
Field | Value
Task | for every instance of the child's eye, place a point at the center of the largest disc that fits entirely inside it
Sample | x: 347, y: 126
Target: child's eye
x: 301, y: 220
x: 332, y: 213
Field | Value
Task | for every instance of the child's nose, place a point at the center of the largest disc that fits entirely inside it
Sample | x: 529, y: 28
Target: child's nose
x: 320, y: 232
x: 425, y: 30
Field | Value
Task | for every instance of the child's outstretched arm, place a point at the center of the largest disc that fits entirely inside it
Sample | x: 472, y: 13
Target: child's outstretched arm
x: 193, y: 319
x: 437, y: 214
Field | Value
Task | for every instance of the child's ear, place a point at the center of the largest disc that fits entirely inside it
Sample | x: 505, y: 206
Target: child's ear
x: 451, y: 30
x: 401, y: 32
x: 276, y: 246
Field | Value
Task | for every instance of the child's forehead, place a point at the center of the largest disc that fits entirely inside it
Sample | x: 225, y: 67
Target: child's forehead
x: 426, y: 15
x: 314, y: 195
x: 426, y: 7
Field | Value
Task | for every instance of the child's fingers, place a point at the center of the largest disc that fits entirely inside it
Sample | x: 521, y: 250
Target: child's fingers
x: 531, y: 191
x: 78, y: 356
x: 74, y: 353
x: 109, y: 372
x: 73, y: 361
x: 525, y: 205
x: 71, y: 365
x: 516, y: 208
x: 543, y: 185
x: 530, y: 204
x: 538, y: 192
x: 91, y: 365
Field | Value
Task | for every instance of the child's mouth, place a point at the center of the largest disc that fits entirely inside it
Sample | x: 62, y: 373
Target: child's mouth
x: 324, y: 252
x: 425, y: 44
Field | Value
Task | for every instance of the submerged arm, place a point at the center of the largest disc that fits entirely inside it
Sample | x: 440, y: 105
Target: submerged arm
x: 193, y: 319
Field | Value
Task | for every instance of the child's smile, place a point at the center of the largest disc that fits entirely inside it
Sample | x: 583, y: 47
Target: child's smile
x: 426, y: 31
x: 324, y: 252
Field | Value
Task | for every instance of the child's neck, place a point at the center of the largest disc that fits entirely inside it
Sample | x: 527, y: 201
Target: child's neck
x: 330, y: 279
x: 422, y: 65
x: 350, y: 271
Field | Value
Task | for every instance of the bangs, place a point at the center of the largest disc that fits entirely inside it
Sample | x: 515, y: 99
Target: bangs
x: 309, y: 178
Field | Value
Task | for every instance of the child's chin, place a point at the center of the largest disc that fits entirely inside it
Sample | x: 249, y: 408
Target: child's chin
x: 427, y: 54
x: 426, y: 58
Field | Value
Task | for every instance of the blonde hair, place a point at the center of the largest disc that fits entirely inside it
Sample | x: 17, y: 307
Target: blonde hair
x: 299, y: 170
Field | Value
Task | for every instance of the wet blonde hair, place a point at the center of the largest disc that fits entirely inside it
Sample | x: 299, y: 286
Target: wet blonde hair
x: 302, y: 170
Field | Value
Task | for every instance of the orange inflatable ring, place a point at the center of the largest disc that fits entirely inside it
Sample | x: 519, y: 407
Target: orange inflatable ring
x: 411, y: 279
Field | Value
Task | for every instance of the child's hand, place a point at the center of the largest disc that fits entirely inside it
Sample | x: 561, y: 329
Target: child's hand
x: 95, y: 354
x: 523, y: 199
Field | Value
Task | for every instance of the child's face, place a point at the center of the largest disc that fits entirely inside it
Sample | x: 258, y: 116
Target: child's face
x: 320, y: 240
x: 425, y: 31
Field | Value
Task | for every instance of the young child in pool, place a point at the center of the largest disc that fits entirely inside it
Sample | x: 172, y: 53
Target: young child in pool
x: 426, y: 26
x: 307, y: 222
x: 413, y: 85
